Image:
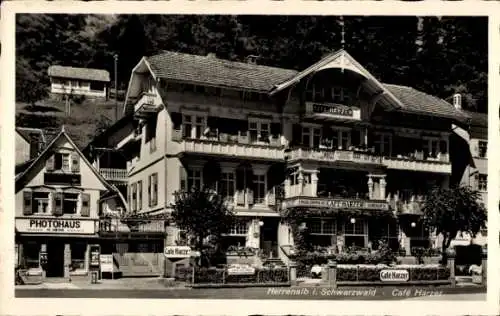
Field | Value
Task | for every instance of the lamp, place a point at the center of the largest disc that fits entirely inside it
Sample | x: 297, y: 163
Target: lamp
x: 413, y: 224
x: 353, y: 221
x: 261, y: 223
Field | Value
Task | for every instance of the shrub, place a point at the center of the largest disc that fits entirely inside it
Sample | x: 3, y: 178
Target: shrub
x: 220, y: 276
x: 372, y: 272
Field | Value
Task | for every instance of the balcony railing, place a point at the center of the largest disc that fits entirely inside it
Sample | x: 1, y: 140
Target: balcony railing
x: 429, y: 165
x: 117, y: 226
x: 327, y: 155
x: 146, y: 105
x: 335, y: 203
x: 113, y: 174
x: 268, y: 151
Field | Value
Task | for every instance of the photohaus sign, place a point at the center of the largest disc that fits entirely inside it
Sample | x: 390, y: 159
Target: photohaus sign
x: 55, y: 225
x: 394, y: 276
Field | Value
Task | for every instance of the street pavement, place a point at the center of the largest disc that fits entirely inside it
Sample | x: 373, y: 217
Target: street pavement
x: 154, y: 288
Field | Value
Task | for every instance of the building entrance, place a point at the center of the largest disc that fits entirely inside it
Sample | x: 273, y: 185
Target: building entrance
x: 55, y: 259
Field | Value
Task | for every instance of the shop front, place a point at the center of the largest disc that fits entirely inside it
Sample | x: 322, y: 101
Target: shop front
x: 54, y: 247
x: 339, y: 224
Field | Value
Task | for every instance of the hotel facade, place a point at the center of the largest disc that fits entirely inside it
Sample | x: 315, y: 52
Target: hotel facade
x: 331, y: 141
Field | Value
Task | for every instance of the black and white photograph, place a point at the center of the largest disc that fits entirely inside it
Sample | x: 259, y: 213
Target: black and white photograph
x: 251, y: 157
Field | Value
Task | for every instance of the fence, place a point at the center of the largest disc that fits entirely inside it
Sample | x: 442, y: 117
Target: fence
x: 222, y: 277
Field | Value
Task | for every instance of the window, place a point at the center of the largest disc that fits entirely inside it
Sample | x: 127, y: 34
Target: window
x: 337, y: 95
x: 70, y: 203
x: 61, y: 162
x: 239, y: 229
x: 187, y: 126
x: 194, y: 178
x: 153, y: 189
x: 345, y: 139
x: 482, y: 182
x: 139, y: 195
x: 383, y: 144
x: 151, y: 134
x: 260, y: 189
x: 228, y: 186
x: 482, y: 149
x: 306, y: 136
x: 74, y: 84
x: 78, y: 251
x: 193, y: 126
x: 316, y: 137
x: 41, y: 202
x: 97, y: 86
x: 259, y: 131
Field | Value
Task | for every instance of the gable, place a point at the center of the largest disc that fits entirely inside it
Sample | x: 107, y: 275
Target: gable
x: 72, y: 169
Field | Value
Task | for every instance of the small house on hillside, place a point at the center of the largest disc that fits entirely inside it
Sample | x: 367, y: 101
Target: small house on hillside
x: 79, y: 81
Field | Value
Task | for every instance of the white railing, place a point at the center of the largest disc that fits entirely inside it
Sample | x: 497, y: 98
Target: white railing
x: 439, y: 166
x: 232, y: 149
x: 113, y: 174
x: 146, y: 102
x: 327, y: 155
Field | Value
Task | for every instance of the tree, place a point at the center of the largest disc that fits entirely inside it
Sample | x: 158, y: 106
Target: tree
x: 449, y: 211
x: 202, y: 214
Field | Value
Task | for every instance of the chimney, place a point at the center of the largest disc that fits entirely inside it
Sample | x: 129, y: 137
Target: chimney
x: 457, y: 101
x: 252, y: 59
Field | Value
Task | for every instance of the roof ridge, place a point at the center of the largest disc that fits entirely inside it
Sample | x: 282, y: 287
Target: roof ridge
x: 62, y: 66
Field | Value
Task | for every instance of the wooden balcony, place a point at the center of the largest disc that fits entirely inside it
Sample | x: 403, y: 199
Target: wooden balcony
x: 113, y: 174
x: 335, y: 203
x: 232, y: 149
x: 438, y: 166
x: 111, y: 227
x: 146, y: 105
x: 332, y: 156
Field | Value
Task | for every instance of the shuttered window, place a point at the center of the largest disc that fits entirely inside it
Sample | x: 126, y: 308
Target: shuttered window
x: 28, y: 203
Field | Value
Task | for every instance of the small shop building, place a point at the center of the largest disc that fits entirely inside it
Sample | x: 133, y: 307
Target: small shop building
x: 57, y: 211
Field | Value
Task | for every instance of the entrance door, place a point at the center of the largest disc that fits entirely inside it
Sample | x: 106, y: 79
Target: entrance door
x: 55, y: 259
x: 269, y: 237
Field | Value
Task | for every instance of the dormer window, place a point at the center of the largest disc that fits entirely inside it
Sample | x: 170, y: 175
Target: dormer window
x: 64, y: 162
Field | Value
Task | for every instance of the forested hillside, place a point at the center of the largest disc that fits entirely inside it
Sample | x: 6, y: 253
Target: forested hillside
x: 440, y: 56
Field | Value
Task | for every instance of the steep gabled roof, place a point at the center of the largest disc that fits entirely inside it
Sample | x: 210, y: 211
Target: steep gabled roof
x: 20, y: 179
x: 217, y: 72
x: 79, y: 73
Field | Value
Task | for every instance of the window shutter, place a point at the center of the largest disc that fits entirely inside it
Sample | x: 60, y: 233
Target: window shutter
x: 134, y: 197
x: 49, y: 164
x: 296, y: 134
x: 85, y: 205
x: 75, y: 162
x: 183, y: 179
x: 58, y: 205
x: 154, y: 200
x: 250, y: 196
x: 28, y: 203
x: 149, y: 191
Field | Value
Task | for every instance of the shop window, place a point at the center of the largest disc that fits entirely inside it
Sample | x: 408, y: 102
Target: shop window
x: 31, y: 251
x: 41, y: 202
x: 78, y: 251
x: 70, y: 203
x: 482, y: 182
x: 355, y: 234
x: 322, y: 232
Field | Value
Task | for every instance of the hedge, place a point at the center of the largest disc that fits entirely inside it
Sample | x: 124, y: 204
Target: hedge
x: 372, y: 272
x: 220, y: 276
